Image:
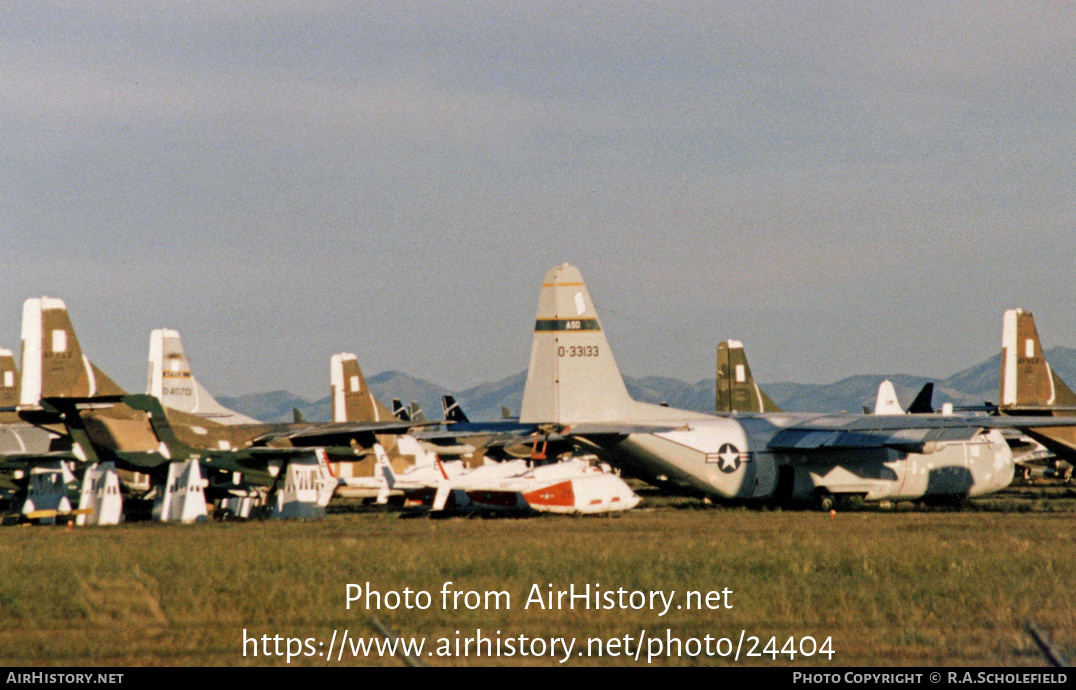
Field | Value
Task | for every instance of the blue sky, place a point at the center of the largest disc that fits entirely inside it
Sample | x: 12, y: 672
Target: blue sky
x: 847, y: 187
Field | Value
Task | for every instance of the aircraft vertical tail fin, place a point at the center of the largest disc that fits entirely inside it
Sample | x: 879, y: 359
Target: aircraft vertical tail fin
x: 384, y: 466
x: 353, y: 401
x: 182, y: 496
x: 444, y: 490
x: 572, y: 375
x: 453, y: 411
x: 100, y: 501
x: 1026, y: 377
x: 886, y: 401
x: 171, y: 381
x: 327, y: 482
x: 53, y: 365
x: 9, y: 380
x: 923, y: 403
x: 400, y: 411
x: 736, y: 387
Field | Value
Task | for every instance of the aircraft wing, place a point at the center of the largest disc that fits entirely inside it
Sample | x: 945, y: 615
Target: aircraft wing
x: 618, y: 429
x: 807, y: 439
x: 20, y: 461
x: 832, y: 432
x: 339, y: 433
x: 902, y: 432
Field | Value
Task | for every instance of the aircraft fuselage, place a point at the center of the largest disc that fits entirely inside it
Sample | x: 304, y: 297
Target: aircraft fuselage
x: 729, y: 459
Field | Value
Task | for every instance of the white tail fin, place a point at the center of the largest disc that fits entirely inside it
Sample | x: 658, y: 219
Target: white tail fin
x: 182, y: 498
x: 409, y: 445
x: 886, y: 401
x: 572, y: 376
x: 444, y: 488
x: 327, y: 481
x: 46, y: 492
x: 387, y: 473
x: 351, y: 397
x: 172, y: 382
x: 303, y: 491
x: 52, y: 361
x: 100, y: 502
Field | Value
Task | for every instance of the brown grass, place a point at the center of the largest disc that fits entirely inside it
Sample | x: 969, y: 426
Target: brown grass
x: 892, y: 587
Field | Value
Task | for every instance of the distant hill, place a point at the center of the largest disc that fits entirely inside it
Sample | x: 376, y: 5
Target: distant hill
x: 972, y: 386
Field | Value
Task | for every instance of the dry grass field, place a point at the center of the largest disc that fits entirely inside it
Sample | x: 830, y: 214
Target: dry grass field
x: 888, y: 587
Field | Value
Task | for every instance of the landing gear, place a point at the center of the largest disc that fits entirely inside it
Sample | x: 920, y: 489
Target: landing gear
x: 825, y: 501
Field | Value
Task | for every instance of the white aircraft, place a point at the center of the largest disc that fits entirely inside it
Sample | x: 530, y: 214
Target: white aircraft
x: 570, y: 486
x: 573, y: 381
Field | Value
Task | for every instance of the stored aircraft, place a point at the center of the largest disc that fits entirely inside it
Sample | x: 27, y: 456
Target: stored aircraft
x: 1030, y: 387
x: 574, y: 382
x: 171, y: 381
x: 60, y: 384
x: 568, y: 486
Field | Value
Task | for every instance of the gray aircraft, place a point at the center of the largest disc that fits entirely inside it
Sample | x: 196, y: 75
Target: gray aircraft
x: 574, y: 382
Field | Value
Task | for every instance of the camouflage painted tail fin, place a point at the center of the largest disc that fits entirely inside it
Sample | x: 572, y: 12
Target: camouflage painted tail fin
x: 736, y: 387
x: 1027, y: 381
x: 53, y: 365
x: 352, y: 399
x: 172, y: 382
x: 9, y: 380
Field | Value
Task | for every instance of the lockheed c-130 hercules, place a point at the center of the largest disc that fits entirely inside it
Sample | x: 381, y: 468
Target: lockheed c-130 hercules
x: 574, y: 382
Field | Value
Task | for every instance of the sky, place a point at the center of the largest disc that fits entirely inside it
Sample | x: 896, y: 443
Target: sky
x: 846, y: 187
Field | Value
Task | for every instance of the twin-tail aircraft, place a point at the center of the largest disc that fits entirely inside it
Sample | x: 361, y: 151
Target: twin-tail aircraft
x: 574, y: 382
x: 172, y: 450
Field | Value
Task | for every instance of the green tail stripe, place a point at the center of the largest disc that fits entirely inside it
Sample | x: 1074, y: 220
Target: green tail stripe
x: 546, y: 325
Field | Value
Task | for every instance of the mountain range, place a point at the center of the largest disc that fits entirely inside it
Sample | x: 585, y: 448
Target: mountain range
x: 972, y: 386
